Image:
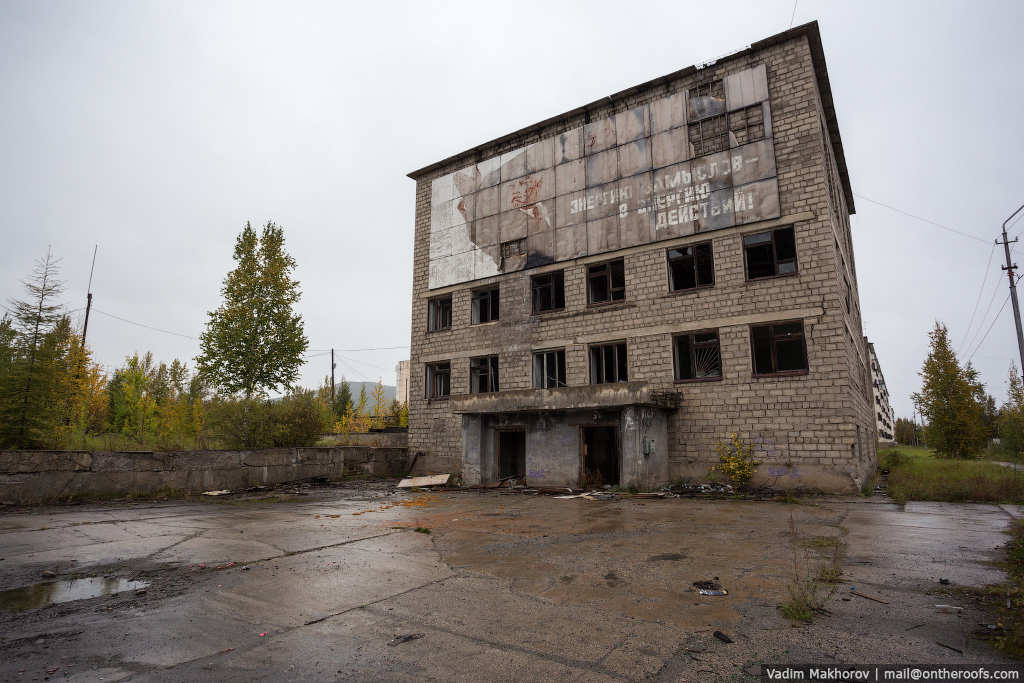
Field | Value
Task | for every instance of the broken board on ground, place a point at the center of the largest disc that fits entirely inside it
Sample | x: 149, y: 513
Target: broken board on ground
x: 434, y: 480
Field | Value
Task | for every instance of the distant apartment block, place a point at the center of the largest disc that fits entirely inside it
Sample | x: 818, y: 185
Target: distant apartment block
x: 885, y: 418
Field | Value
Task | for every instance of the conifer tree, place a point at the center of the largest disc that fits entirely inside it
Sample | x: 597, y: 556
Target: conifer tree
x: 342, y: 398
x: 27, y: 386
x: 950, y: 401
x: 1011, y: 416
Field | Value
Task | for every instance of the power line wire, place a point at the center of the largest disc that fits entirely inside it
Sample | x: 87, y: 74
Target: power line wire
x: 131, y: 322
x: 994, y: 320
x: 981, y: 324
x: 905, y: 213
x: 984, y: 281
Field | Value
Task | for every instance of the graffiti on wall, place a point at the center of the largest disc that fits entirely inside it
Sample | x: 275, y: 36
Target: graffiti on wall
x: 695, y: 161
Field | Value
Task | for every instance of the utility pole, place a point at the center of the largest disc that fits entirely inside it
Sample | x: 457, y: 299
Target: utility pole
x: 333, y: 365
x: 1013, y: 287
x: 88, y: 300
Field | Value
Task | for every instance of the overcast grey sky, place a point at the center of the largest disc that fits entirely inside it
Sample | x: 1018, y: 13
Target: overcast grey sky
x: 157, y: 129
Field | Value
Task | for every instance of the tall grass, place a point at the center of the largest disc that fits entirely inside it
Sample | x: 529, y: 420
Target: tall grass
x: 915, y: 474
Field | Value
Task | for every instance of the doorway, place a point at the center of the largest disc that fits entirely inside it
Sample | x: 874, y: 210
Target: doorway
x: 600, y: 456
x: 512, y: 454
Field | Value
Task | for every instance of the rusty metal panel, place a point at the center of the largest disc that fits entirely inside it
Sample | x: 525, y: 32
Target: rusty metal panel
x: 540, y: 249
x: 569, y: 146
x: 757, y: 201
x: 632, y: 125
x: 540, y: 155
x: 670, y: 147
x: 527, y: 190
x: 465, y: 207
x: 441, y: 243
x: 570, y: 177
x: 603, y: 201
x: 753, y: 162
x: 442, y: 189
x: 444, y: 216
x: 513, y: 263
x: 603, y: 235
x: 487, y: 202
x: 714, y: 170
x: 486, y: 262
x: 702, y: 107
x: 570, y: 209
x: 513, y: 164
x: 668, y: 112
x: 716, y: 213
x: 746, y: 87
x: 486, y: 231
x: 766, y: 111
x: 570, y: 242
x: 512, y: 225
x: 603, y: 167
x: 465, y: 181
x: 636, y: 227
x: 488, y: 172
x: 635, y: 157
x: 598, y: 136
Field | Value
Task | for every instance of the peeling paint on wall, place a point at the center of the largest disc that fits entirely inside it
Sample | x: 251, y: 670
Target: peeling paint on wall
x: 631, y: 179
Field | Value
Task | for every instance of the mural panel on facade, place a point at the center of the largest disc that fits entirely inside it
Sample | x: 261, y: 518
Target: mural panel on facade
x: 692, y: 162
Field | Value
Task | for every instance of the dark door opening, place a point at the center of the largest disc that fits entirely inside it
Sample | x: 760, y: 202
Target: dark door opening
x: 600, y: 456
x: 512, y: 454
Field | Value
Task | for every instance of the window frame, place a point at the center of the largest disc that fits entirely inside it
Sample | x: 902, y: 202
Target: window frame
x: 489, y: 366
x: 434, y: 308
x: 691, y: 359
x: 744, y: 113
x: 720, y: 121
x: 557, y: 285
x: 540, y: 373
x: 773, y: 340
x: 696, y: 278
x: 492, y: 297
x: 598, y: 369
x: 594, y: 273
x: 775, y: 254
x: 434, y: 374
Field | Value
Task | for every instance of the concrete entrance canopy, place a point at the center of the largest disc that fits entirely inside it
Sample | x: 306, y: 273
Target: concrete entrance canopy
x: 554, y: 422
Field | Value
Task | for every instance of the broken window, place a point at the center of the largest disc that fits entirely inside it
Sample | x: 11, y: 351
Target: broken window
x: 706, y: 99
x: 483, y: 375
x: 485, y: 305
x: 549, y: 369
x: 779, y: 348
x: 606, y: 282
x: 770, y: 253
x: 697, y: 356
x: 608, y: 363
x: 439, y: 380
x: 747, y: 125
x: 709, y: 136
x: 847, y: 294
x: 691, y: 267
x: 439, y: 313
x: 548, y: 292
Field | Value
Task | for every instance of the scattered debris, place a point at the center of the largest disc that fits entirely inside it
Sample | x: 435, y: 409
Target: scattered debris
x: 264, y: 633
x: 710, y: 584
x: 435, y: 480
x: 398, y: 640
x: 949, y: 647
x: 722, y: 637
x: 47, y: 574
x: 216, y: 493
x: 944, y: 582
x: 246, y: 568
x: 422, y: 530
x: 853, y: 591
x: 705, y: 591
x: 948, y: 609
x: 913, y: 627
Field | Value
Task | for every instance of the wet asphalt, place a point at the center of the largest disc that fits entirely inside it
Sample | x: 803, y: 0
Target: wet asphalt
x: 348, y: 585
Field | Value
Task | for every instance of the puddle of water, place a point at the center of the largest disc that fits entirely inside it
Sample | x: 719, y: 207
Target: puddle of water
x: 41, y: 594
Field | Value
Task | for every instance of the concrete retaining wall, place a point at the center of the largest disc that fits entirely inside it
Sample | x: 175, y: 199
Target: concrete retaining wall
x: 36, y: 476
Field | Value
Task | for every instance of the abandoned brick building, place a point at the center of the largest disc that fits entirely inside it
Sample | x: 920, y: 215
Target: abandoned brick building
x: 607, y: 294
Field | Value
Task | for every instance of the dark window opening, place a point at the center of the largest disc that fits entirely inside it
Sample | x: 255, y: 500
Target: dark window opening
x: 691, y: 267
x: 608, y: 364
x: 778, y: 348
x: 600, y: 456
x: 483, y: 375
x: 747, y: 125
x: 439, y: 380
x: 513, y: 248
x: 548, y: 292
x: 706, y: 99
x: 512, y: 454
x: 770, y: 253
x: 485, y: 306
x: 439, y: 314
x: 549, y: 369
x: 709, y: 136
x: 698, y: 356
x: 606, y: 282
x: 847, y: 295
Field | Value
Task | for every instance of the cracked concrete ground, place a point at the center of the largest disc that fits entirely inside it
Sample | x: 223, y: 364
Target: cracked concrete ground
x: 504, y: 587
